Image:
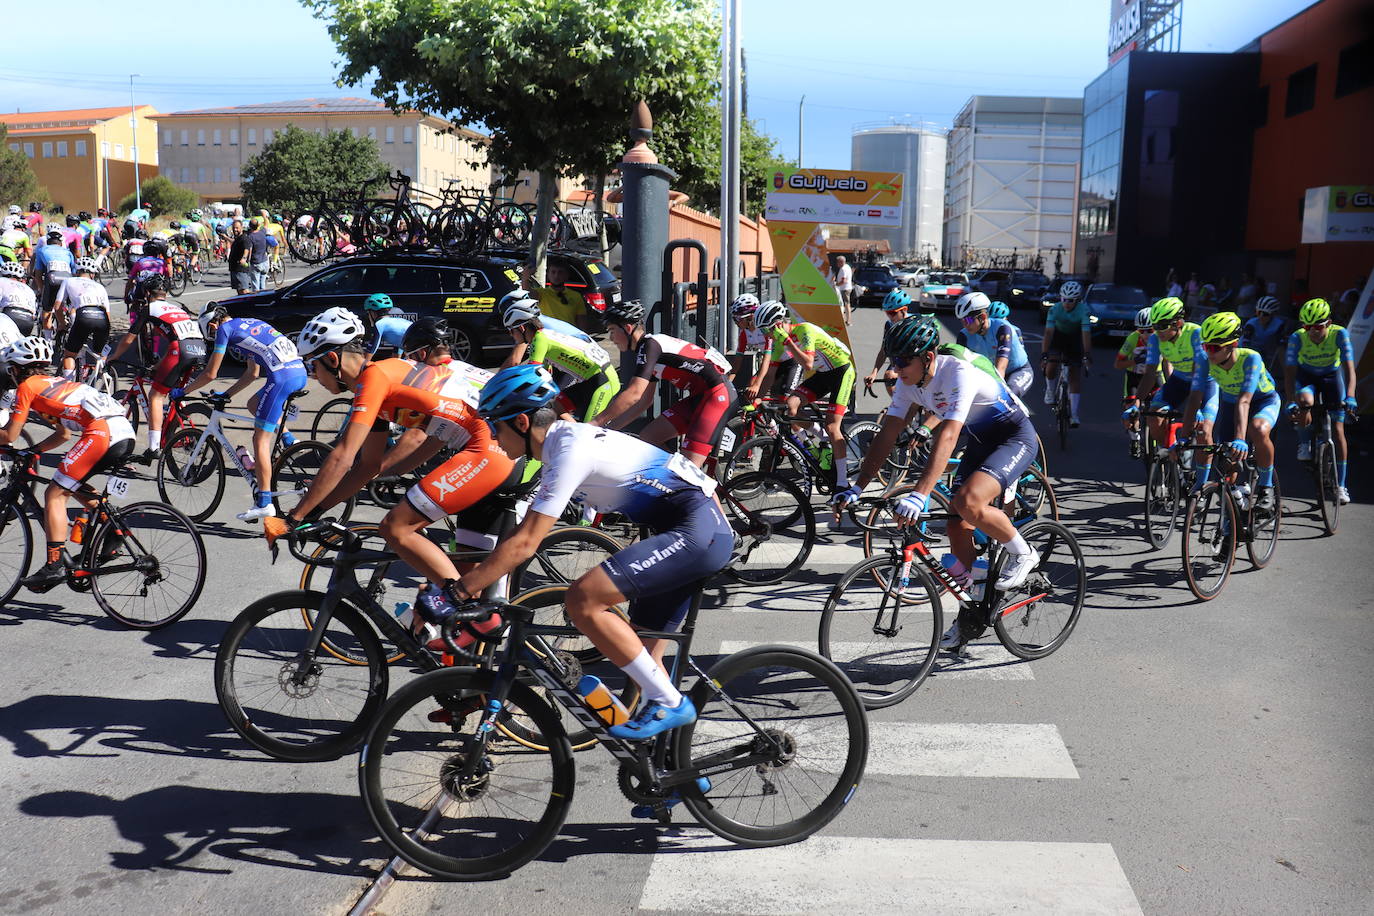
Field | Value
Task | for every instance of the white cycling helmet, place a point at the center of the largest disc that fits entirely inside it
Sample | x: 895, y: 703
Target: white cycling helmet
x: 12, y: 269
x: 518, y: 308
x: 969, y: 303
x: 14, y: 222
x: 86, y: 264
x: 26, y: 351
x: 769, y: 314
x: 14, y: 209
x: 1071, y: 290
x: 53, y: 227
x: 1142, y: 318
x: 330, y: 328
x: 744, y: 306
x: 1267, y: 305
x: 213, y: 313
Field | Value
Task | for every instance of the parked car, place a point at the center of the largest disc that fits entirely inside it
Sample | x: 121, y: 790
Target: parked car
x: 591, y: 277
x: 995, y: 284
x: 1113, y: 307
x: 876, y: 282
x: 942, y: 289
x: 1028, y: 288
x: 907, y: 276
x: 462, y: 289
x: 1051, y: 295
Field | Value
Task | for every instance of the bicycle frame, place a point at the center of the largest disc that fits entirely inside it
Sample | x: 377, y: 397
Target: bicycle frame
x: 215, y: 431
x: 918, y: 549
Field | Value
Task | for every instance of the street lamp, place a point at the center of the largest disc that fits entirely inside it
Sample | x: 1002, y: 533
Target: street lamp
x: 133, y: 126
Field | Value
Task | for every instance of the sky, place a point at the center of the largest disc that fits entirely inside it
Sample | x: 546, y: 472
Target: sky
x: 882, y: 61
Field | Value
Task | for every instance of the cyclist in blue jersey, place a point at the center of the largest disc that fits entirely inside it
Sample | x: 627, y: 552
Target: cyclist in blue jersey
x: 1266, y: 332
x: 263, y: 348
x: 1320, y: 363
x: 387, y: 329
x: 612, y: 472
x: 1068, y: 339
x: 53, y: 263
x: 896, y: 306
x: 995, y: 338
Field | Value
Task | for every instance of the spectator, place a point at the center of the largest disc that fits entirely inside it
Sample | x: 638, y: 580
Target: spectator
x: 1246, y: 297
x: 1225, y: 295
x: 842, y: 278
x: 1172, y: 287
x: 1350, y: 299
x: 556, y: 300
x: 1192, y: 291
x: 258, y: 253
x: 241, y: 275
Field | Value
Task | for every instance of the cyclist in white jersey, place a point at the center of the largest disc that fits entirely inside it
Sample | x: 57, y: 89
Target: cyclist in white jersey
x: 17, y: 299
x: 82, y: 310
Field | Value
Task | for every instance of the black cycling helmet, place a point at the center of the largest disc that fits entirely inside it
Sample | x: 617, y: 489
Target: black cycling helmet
x: 627, y: 311
x: 155, y: 247
x: 425, y: 332
x: 911, y: 337
x: 72, y: 220
x: 55, y: 237
x: 157, y: 283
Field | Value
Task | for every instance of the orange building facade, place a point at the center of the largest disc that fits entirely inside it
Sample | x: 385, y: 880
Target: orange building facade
x: 85, y: 157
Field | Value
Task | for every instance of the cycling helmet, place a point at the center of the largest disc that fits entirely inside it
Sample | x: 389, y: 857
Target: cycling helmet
x: 85, y: 215
x: 1314, y: 311
x: 517, y: 308
x: 1071, y: 291
x: 175, y: 224
x: 378, y: 302
x: 211, y: 314
x: 744, y: 306
x: 157, y: 283
x: 12, y: 269
x: 1267, y: 305
x: 1223, y: 327
x: 999, y: 309
x: 1142, y: 317
x: 196, y: 215
x: 969, y: 303
x: 276, y: 218
x: 101, y: 211
x: 626, y: 311
x: 14, y: 209
x: 770, y: 313
x: 26, y: 351
x: 516, y: 390
x: 896, y: 300
x: 55, y: 236
x: 911, y: 337
x: 54, y: 227
x: 85, y: 265
x: 155, y: 248
x: 330, y: 328
x: 72, y: 220
x: 1166, y: 309
x: 426, y: 332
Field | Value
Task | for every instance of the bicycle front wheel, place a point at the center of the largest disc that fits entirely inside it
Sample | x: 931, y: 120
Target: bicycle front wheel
x: 16, y: 550
x: 1328, y: 499
x: 795, y: 733
x: 453, y: 802
x: 1162, y: 503
x: 1035, y: 618
x: 331, y: 419
x: 883, y: 637
x: 1209, y: 540
x: 193, y: 483
x: 773, y: 523
x: 295, y: 470
x: 147, y: 565
x: 1263, y: 528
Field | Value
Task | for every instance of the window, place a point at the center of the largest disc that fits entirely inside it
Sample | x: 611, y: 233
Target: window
x: 408, y: 134
x: 1302, y: 91
x: 62, y: 149
x: 200, y: 138
x: 219, y: 175
x: 266, y: 135
x: 252, y: 136
x: 234, y: 174
x: 233, y: 136
x: 185, y: 175
x: 28, y: 150
x: 119, y: 150
x: 391, y: 135
x: 424, y: 137
x: 354, y: 132
x: 217, y: 138
x: 1355, y: 69
x: 372, y: 133
x: 14, y: 147
x: 47, y: 150
x: 80, y: 147
x: 200, y: 175
x: 104, y: 148
x: 185, y: 137
x: 166, y: 138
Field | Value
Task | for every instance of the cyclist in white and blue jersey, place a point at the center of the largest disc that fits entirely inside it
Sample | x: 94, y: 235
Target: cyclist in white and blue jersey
x: 264, y: 349
x: 994, y: 338
x: 1265, y: 333
x: 896, y: 306
x: 389, y: 329
x: 612, y: 472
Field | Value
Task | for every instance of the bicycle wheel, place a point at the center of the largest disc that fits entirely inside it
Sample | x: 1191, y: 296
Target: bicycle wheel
x: 762, y: 454
x: 883, y: 638
x: 451, y: 825
x: 774, y: 526
x: 331, y: 419
x: 293, y: 472
x: 1162, y: 503
x: 147, y: 565
x: 858, y: 438
x: 1209, y: 540
x: 795, y: 730
x: 181, y: 277
x: 1034, y: 497
x: 882, y: 531
x: 314, y: 242
x: 509, y: 225
x: 1262, y: 529
x: 1035, y: 618
x: 193, y: 487
x: 105, y: 381
x: 16, y: 550
x: 319, y: 712
x: 1328, y: 500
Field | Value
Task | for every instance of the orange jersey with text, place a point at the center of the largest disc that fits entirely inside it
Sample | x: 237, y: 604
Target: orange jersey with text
x: 434, y: 398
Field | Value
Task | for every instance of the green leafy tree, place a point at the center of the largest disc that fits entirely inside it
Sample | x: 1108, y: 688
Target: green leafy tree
x: 161, y: 196
x: 691, y: 147
x: 553, y: 81
x: 297, y: 165
x: 18, y: 183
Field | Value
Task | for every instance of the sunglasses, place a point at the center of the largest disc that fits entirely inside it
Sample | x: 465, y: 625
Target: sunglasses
x: 1218, y: 347
x: 1318, y: 326
x: 973, y: 319
x: 1164, y: 325
x: 901, y: 362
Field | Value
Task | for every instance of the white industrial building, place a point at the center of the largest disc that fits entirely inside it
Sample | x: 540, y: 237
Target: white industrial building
x: 1011, y: 178
x: 918, y: 152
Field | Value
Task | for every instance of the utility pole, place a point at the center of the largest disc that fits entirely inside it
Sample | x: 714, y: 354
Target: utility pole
x: 730, y: 114
x: 133, y: 125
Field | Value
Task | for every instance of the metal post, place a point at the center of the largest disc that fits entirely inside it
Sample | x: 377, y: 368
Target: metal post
x: 644, y: 213
x: 729, y: 158
x: 801, y: 116
x: 105, y: 158
x: 133, y: 125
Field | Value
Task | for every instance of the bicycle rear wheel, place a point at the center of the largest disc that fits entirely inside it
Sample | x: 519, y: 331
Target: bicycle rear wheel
x: 16, y: 550
x: 565, y: 554
x: 885, y: 639
x: 1328, y: 500
x: 1263, y: 529
x: 295, y: 470
x: 1162, y: 502
x: 1035, y: 618
x: 193, y: 488
x: 773, y: 524
x: 1209, y: 540
x: 762, y: 454
x: 331, y: 419
x: 795, y: 731
x: 1034, y: 497
x: 456, y: 826
x: 147, y: 565
x: 312, y: 243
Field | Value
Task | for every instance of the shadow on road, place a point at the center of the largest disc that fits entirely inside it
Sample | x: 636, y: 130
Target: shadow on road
x: 17, y: 610
x: 188, y: 639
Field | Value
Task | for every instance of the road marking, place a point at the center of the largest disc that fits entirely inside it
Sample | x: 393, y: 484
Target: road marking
x: 985, y: 661
x: 997, y: 750
x: 827, y: 874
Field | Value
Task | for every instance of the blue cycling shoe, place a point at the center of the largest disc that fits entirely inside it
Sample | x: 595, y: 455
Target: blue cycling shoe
x: 646, y: 812
x: 654, y: 719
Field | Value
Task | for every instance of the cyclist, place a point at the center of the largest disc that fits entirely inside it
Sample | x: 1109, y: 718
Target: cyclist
x: 1000, y: 311
x: 1068, y: 339
x: 1130, y: 359
x: 611, y: 472
x: 15, y: 244
x: 106, y: 440
x: 83, y: 313
x: 17, y: 300
x: 72, y: 237
x: 261, y: 347
x: 701, y: 372
x: 53, y: 264
x: 178, y: 346
x: 829, y: 368
x: 586, y: 379
x: 788, y: 373
x: 1237, y: 377
x: 388, y: 325
x: 137, y: 222
x: 190, y: 241
x: 1320, y: 362
x: 955, y: 389
x: 896, y: 306
x: 1175, y: 349
x: 995, y: 339
x: 1265, y: 332
x: 153, y: 262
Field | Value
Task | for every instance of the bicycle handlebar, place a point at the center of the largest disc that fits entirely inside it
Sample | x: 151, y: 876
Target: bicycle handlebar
x: 327, y: 532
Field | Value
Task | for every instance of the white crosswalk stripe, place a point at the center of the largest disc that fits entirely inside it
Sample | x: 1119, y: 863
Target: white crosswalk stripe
x: 969, y: 749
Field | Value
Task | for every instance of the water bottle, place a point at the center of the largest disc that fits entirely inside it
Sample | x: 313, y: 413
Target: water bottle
x: 825, y: 456
x: 602, y: 702
x: 1241, y: 494
x: 980, y: 578
x: 404, y: 614
x: 245, y: 459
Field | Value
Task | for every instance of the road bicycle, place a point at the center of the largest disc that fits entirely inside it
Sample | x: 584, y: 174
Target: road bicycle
x: 276, y: 269
x: 176, y: 415
x: 1221, y: 514
x: 779, y: 450
x: 1061, y: 406
x: 316, y: 233
x: 778, y: 749
x: 144, y: 563
x: 1168, y: 478
x: 1322, y: 466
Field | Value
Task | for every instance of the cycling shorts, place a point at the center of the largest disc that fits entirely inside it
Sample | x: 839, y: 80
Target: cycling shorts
x: 1019, y: 380
x: 90, y: 327
x: 272, y: 398
x: 174, y: 370
x: 103, y: 445
x: 460, y: 482
x: 1003, y: 453
x: 590, y: 397
x: 834, y: 385
x: 52, y: 283
x: 1068, y: 348
x: 23, y: 319
x: 785, y: 380
x: 668, y: 567
x: 701, y: 418
x: 1173, y: 393
x: 190, y: 244
x: 1262, y: 407
x: 1327, y: 389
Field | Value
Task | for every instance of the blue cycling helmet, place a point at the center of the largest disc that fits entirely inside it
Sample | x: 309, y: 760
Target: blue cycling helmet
x: 516, y: 390
x: 897, y: 299
x: 999, y: 309
x: 911, y: 337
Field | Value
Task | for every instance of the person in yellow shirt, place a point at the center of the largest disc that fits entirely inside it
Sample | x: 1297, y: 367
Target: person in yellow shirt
x: 556, y: 300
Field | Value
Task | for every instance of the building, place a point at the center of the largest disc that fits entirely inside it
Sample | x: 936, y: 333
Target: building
x: 85, y: 157
x: 1011, y: 179
x: 205, y: 150
x: 917, y: 151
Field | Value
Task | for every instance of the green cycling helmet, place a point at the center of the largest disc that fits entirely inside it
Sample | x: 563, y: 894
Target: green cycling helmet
x: 1166, y: 309
x: 1314, y: 311
x: 911, y: 337
x: 378, y: 302
x: 1223, y: 327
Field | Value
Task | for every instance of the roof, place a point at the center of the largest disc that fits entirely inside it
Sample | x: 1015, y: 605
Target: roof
x: 75, y: 117
x: 344, y: 105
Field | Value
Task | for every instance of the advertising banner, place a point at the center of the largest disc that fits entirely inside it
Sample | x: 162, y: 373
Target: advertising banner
x: 1361, y: 330
x: 1338, y: 213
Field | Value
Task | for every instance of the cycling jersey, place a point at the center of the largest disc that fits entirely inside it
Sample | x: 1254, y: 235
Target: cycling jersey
x: 755, y: 340
x: 133, y: 249
x: 73, y: 240
x: 17, y: 296
x: 1184, y: 352
x: 828, y: 352
x: 256, y: 340
x: 176, y: 337
x: 681, y: 364
x: 1247, y: 375
x: 16, y: 240
x: 1259, y: 336
x: 146, y: 266
x: 1067, y: 321
x: 390, y: 330
x: 53, y: 260
x: 9, y: 333
x: 1322, y: 358
x: 575, y: 358
x: 1001, y: 341
x: 81, y: 293
x: 1136, y: 348
x: 106, y: 434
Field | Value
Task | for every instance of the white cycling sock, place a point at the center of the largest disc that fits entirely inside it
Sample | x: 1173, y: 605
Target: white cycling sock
x: 1017, y: 546
x: 1073, y: 402
x: 652, y: 679
x: 154, y: 439
x: 1049, y: 390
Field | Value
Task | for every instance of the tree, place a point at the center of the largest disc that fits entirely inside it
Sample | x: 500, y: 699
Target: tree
x: 161, y: 196
x: 553, y: 81
x: 18, y: 183
x: 691, y: 147
x: 297, y: 165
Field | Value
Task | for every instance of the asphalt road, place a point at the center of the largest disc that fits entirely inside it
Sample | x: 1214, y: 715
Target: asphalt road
x: 1173, y: 757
